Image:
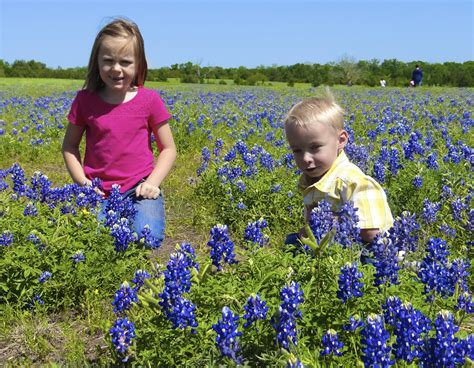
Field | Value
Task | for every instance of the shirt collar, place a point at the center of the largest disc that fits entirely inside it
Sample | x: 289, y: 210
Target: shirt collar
x: 327, y: 180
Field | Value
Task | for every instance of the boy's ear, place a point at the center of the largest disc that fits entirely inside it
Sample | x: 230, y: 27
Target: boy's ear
x: 343, y: 138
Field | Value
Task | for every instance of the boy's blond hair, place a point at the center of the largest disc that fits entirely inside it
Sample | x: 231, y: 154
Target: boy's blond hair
x: 322, y: 110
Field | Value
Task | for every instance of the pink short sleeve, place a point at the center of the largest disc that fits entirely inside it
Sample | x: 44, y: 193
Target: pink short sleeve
x: 158, y: 112
x: 75, y: 116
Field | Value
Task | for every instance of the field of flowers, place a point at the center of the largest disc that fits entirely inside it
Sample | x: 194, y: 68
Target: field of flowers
x: 223, y: 289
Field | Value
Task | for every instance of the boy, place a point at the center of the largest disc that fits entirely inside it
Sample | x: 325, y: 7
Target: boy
x: 315, y: 132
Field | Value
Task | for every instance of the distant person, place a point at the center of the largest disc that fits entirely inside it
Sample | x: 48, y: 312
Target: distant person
x: 315, y: 132
x: 417, y: 76
x: 411, y: 83
x: 383, y: 83
x: 118, y: 115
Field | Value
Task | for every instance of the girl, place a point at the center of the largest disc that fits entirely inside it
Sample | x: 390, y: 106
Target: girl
x: 118, y: 115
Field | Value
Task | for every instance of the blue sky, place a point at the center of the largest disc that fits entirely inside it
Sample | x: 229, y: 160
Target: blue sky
x: 232, y: 33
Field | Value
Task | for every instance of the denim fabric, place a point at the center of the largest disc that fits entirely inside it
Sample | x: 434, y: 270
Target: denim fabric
x: 292, y: 239
x: 150, y: 212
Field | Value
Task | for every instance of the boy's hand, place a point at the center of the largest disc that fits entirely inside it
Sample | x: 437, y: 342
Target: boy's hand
x: 147, y: 191
x: 302, y: 233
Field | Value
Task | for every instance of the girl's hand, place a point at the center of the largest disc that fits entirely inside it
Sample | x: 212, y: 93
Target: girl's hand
x: 88, y: 183
x: 147, y: 191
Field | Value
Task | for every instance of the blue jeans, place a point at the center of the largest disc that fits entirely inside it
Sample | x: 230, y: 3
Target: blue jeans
x: 150, y: 212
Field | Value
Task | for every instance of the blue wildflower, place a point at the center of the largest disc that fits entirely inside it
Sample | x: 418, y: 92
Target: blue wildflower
x: 139, y: 278
x: 254, y: 233
x: 227, y: 335
x: 374, y: 340
x: 78, y: 256
x: 255, y: 309
x: 45, y: 276
x: 122, y: 333
x: 349, y: 283
x: 331, y: 344
x: 124, y: 297
x: 221, y: 246
x: 6, y: 238
x: 285, y: 323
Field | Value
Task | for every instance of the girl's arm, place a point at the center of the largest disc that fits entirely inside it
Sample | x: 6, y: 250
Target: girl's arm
x: 150, y: 187
x: 71, y: 154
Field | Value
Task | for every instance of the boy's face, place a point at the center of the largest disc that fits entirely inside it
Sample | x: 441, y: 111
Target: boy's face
x: 315, y: 147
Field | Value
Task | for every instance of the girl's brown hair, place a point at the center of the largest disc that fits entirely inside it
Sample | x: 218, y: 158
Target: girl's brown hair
x: 117, y: 28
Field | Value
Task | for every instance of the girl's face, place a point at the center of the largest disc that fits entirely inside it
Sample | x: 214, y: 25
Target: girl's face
x: 117, y: 64
x: 315, y: 147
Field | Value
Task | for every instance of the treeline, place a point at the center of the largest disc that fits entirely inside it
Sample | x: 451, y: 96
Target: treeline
x: 345, y: 71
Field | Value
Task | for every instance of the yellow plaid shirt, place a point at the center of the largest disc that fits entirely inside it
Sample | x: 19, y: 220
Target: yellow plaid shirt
x: 343, y: 183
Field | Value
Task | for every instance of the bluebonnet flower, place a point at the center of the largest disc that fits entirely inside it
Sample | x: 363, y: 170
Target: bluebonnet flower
x: 254, y: 233
x: 45, y: 276
x: 221, y: 246
x: 431, y: 161
x: 6, y: 238
x: 122, y: 234
x: 394, y: 161
x: 465, y: 303
x: 275, y: 188
x: 266, y: 161
x: 148, y: 239
x: 255, y: 309
x: 443, y: 349
x: 205, y: 157
x: 240, y: 185
x: 122, y: 333
x: 404, y: 232
x: 78, y: 256
x: 30, y: 209
x: 124, y: 297
x: 241, y: 205
x: 227, y: 335
x: 417, y: 182
x: 433, y: 270
x: 410, y: 326
x: 347, y: 228
x: 457, y: 208
x: 139, y: 278
x: 36, y: 299
x: 430, y: 210
x: 374, y: 341
x: 218, y: 146
x: 449, y: 231
x: 379, y: 171
x: 19, y: 179
x: 354, y: 323
x: 176, y: 308
x: 230, y: 155
x: 321, y: 220
x: 331, y: 344
x: 285, y: 323
x: 123, y: 207
x: 349, y: 283
x: 386, y: 264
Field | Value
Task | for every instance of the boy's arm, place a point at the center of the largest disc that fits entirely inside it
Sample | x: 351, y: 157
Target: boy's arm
x: 368, y: 235
x: 150, y: 187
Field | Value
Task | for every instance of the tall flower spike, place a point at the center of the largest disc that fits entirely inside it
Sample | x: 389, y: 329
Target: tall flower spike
x: 227, y: 335
x: 331, y: 344
x: 349, y: 284
x: 255, y: 309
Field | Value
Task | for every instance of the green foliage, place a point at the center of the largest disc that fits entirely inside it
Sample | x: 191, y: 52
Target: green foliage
x: 60, y: 237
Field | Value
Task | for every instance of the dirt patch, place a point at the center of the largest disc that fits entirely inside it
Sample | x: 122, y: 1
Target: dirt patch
x: 40, y: 340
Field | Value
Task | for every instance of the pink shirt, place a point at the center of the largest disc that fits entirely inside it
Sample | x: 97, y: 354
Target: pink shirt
x: 118, y: 137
